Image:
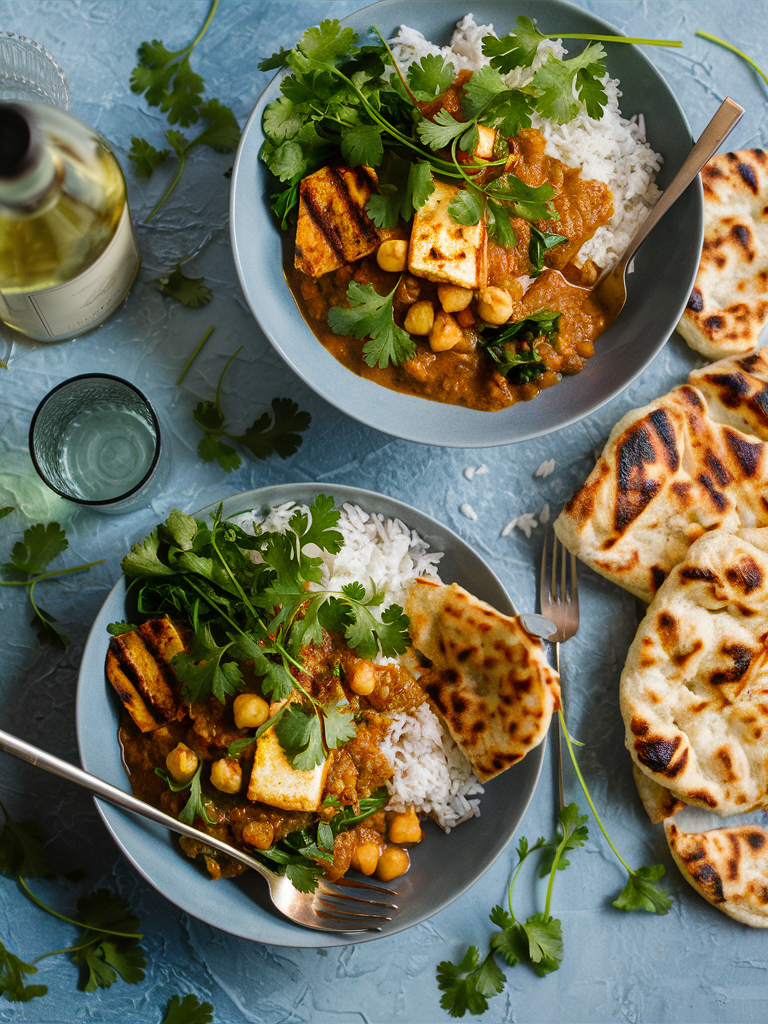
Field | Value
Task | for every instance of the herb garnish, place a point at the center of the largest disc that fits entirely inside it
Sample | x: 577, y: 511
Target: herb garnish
x: 189, y: 291
x: 188, y: 1010
x: 29, y: 559
x: 265, y: 612
x: 734, y: 49
x: 512, y: 346
x: 277, y: 432
x: 468, y: 985
x: 167, y: 81
x: 371, y: 316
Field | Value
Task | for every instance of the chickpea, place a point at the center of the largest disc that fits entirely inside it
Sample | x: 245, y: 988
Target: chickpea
x: 392, y: 255
x: 392, y: 863
x: 404, y: 827
x: 363, y: 678
x: 250, y: 711
x: 465, y: 318
x: 420, y: 317
x: 408, y: 290
x: 365, y: 858
x: 259, y: 834
x: 494, y: 305
x: 227, y: 775
x: 453, y: 298
x: 445, y: 332
x: 181, y: 763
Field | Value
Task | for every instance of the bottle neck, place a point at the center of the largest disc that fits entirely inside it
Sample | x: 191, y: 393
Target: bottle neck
x: 27, y: 166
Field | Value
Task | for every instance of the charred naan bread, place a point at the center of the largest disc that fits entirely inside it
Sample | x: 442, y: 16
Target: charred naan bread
x: 694, y: 690
x: 489, y: 679
x: 728, y: 867
x: 658, y: 801
x: 736, y: 391
x: 668, y: 474
x: 728, y: 307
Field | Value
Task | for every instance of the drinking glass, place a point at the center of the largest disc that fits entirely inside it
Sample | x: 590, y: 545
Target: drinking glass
x: 95, y: 440
x: 29, y: 74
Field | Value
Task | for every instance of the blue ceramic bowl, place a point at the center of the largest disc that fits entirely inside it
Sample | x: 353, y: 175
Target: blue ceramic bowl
x: 660, y: 285
x: 443, y: 865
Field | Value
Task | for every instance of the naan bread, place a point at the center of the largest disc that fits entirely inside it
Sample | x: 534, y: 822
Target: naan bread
x: 694, y: 690
x: 489, y: 679
x: 736, y: 392
x: 728, y: 307
x: 669, y: 473
x: 728, y: 867
x: 657, y: 800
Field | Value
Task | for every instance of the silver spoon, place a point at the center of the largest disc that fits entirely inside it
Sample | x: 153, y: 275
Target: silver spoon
x: 611, y: 290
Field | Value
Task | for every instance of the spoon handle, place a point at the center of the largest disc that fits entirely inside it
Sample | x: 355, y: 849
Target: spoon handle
x: 728, y: 114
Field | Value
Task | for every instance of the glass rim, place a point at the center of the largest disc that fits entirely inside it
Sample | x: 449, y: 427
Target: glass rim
x: 95, y: 502
x: 26, y: 41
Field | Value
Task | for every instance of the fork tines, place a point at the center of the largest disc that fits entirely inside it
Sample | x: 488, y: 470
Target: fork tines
x: 344, y: 910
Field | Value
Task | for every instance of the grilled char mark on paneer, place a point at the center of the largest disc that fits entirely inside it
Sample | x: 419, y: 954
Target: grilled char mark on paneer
x: 443, y: 250
x: 139, y: 669
x: 333, y: 228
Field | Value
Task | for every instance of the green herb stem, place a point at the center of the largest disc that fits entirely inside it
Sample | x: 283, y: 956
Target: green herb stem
x: 171, y: 187
x: 194, y: 355
x: 733, y: 49
x: 50, y: 575
x: 615, y: 39
x: 583, y: 785
x: 204, y: 29
x: 69, y: 920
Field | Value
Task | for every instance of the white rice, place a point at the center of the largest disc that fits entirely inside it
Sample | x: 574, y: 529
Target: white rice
x: 612, y: 149
x: 431, y: 774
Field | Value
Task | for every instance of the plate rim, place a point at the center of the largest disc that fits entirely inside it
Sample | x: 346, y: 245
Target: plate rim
x: 410, y: 423
x: 117, y: 820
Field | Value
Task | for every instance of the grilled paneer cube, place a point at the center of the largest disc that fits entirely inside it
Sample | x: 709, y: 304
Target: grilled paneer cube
x: 333, y: 227
x: 274, y: 782
x: 139, y: 669
x: 443, y: 250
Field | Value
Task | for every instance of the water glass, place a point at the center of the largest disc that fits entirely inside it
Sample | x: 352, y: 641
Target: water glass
x: 95, y: 440
x: 29, y: 74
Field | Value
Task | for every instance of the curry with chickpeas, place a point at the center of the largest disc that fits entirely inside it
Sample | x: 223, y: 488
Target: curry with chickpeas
x: 472, y: 308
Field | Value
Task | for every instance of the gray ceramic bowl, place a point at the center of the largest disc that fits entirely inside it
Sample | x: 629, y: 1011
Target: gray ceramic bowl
x: 443, y: 866
x: 660, y: 285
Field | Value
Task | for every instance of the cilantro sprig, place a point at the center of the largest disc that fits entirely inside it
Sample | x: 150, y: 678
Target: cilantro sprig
x: 512, y: 346
x: 167, y: 81
x: 30, y: 557
x: 468, y: 985
x: 273, y: 432
x: 188, y: 1010
x: 189, y: 291
x: 370, y: 315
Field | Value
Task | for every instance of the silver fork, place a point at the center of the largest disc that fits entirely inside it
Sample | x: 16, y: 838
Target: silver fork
x: 351, y: 910
x: 559, y: 599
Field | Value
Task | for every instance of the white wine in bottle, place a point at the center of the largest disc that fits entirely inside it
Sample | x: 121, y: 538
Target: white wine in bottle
x: 68, y: 252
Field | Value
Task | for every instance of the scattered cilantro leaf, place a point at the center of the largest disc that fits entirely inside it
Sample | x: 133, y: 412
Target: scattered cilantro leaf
x: 118, y: 628
x: 105, y: 955
x: 189, y: 291
x: 188, y: 1010
x: 6, y: 511
x: 195, y: 805
x: 371, y: 316
x: 276, y: 432
x: 12, y: 978
x: 300, y: 734
x: 468, y: 985
x: 146, y: 157
x: 21, y: 849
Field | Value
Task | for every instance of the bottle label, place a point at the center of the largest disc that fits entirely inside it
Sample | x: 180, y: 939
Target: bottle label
x: 84, y: 302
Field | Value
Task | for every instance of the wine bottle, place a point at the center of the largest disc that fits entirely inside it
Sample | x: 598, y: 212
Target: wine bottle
x: 68, y: 252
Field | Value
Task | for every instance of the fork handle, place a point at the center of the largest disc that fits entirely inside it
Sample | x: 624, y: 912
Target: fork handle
x: 64, y: 770
x: 560, y: 784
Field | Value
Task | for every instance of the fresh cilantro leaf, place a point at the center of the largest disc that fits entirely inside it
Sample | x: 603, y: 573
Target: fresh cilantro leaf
x: 204, y: 673
x: 282, y: 120
x: 371, y: 316
x: 641, y: 892
x: 21, y: 849
x: 362, y: 144
x: 300, y: 735
x: 195, y: 805
x: 540, y: 243
x: 212, y: 449
x: 430, y: 77
x: 469, y: 984
x: 278, y: 433
x: 144, y: 559
x: 497, y: 217
x: 545, y: 943
x: 328, y: 41
x: 516, y: 49
x: 562, y: 85
x: 118, y: 628
x: 339, y: 727
x: 510, y: 942
x: 404, y: 186
x: 12, y: 972
x: 222, y: 133
x: 188, y: 1010
x: 509, y: 111
x: 42, y: 543
x: 105, y: 956
x: 483, y: 87
x: 45, y: 625
x: 467, y: 206
x: 146, y: 157
x: 531, y: 201
x: 573, y: 834
x: 320, y: 527
x: 441, y: 130
x: 6, y: 511
x: 189, y: 291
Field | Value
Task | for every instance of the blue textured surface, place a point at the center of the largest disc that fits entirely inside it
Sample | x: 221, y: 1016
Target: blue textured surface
x: 692, y: 965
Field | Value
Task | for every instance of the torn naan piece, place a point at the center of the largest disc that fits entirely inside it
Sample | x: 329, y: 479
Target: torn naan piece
x: 668, y: 474
x: 694, y: 689
x: 728, y: 867
x: 489, y: 678
x: 728, y: 307
x: 658, y: 801
x: 736, y: 391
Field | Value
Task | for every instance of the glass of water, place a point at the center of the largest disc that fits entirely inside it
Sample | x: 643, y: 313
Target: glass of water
x: 29, y: 74
x: 95, y: 440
